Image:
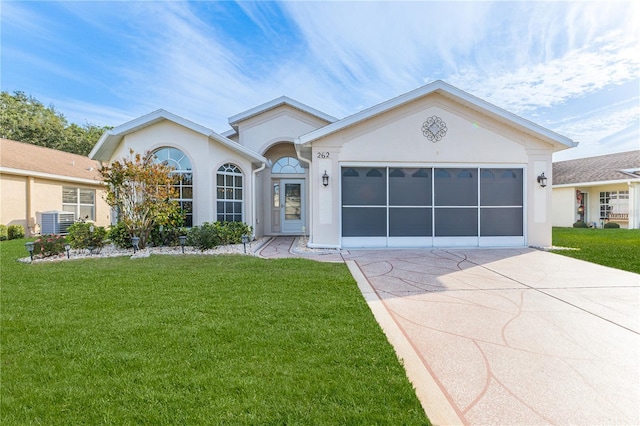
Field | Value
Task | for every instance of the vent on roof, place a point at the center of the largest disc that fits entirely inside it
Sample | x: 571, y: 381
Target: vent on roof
x: 56, y: 222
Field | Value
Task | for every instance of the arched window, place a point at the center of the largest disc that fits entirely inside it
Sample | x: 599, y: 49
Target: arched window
x: 229, y: 190
x: 287, y: 165
x: 184, y: 179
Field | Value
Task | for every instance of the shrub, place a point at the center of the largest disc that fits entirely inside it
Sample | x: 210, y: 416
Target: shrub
x: 210, y: 235
x: 81, y: 237
x: 166, y: 237
x: 3, y: 233
x: 611, y: 225
x: 120, y: 236
x: 203, y: 237
x: 49, y: 245
x: 15, y: 231
x: 580, y: 224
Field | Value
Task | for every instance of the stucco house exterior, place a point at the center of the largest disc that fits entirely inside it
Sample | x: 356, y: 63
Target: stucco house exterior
x: 597, y: 190
x: 433, y: 167
x: 34, y: 179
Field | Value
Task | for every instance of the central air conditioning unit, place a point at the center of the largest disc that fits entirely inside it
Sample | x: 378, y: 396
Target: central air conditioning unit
x: 56, y: 222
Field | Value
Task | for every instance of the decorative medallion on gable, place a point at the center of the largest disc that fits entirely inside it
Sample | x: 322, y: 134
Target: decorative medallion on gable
x: 434, y: 129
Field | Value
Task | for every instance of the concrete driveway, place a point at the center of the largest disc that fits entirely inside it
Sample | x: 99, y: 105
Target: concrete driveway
x: 506, y: 337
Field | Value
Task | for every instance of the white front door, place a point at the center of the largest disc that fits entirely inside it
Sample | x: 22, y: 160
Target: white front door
x: 292, y: 206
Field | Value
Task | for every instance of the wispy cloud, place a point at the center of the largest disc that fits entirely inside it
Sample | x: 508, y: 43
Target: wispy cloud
x: 548, y: 61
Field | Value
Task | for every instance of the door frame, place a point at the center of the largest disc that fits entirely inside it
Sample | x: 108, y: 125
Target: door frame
x: 293, y: 226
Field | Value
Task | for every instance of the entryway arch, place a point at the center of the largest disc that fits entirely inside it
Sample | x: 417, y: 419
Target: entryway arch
x: 286, y: 191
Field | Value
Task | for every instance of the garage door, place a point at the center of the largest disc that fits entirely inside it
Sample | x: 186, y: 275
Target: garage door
x: 432, y: 206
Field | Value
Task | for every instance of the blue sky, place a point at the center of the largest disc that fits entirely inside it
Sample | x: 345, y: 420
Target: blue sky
x: 573, y: 67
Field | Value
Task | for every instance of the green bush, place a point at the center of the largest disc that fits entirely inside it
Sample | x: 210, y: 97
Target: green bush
x: 81, y: 236
x: 15, y: 232
x: 203, y: 237
x: 167, y: 237
x: 580, y: 224
x: 3, y: 233
x: 210, y: 235
x: 611, y: 225
x: 49, y: 245
x: 119, y: 236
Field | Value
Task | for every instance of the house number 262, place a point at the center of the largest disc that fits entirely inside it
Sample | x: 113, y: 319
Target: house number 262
x: 324, y: 154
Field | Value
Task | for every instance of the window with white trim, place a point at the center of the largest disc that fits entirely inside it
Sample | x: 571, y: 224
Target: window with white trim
x: 80, y: 201
x: 183, y: 174
x: 287, y: 165
x: 614, y: 204
x: 229, y: 189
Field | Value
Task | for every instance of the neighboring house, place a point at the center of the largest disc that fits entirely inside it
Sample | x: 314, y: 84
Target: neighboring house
x: 433, y: 167
x: 597, y: 190
x: 34, y: 179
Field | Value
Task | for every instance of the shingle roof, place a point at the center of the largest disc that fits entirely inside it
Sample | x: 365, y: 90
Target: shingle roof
x: 602, y: 168
x: 29, y: 158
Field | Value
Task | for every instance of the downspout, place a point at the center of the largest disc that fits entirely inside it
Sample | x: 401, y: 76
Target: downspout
x: 310, y: 196
x: 254, y: 203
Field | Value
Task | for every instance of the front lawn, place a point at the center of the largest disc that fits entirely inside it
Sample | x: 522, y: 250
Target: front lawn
x: 193, y: 340
x: 617, y: 248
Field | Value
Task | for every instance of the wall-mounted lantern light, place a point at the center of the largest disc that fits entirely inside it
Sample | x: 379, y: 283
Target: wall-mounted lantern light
x: 183, y: 241
x: 325, y: 179
x: 29, y: 247
x: 542, y: 180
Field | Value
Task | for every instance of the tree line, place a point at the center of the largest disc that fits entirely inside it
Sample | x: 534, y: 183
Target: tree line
x: 25, y: 119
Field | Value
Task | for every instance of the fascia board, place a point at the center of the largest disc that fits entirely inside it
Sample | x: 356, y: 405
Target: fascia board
x: 596, y: 183
x: 50, y: 176
x: 229, y: 133
x: 448, y: 91
x: 282, y: 100
x: 242, y: 150
x: 111, y: 138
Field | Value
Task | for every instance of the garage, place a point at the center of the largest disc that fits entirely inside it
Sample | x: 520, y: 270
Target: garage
x: 431, y: 206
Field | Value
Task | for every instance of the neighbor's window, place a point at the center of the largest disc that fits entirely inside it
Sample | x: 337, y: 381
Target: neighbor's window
x: 229, y: 193
x: 80, y: 201
x: 184, y: 179
x: 613, y: 202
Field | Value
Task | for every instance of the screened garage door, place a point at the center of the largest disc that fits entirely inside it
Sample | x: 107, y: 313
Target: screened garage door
x: 432, y: 206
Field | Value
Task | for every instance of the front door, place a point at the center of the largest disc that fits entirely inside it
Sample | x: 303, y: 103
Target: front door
x: 292, y: 206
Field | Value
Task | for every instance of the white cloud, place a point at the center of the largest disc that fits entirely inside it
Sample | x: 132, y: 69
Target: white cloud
x: 342, y: 57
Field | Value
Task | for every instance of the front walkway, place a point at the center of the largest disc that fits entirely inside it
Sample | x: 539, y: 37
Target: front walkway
x: 513, y: 336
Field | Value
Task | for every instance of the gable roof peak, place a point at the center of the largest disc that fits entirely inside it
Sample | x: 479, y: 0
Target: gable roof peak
x: 275, y: 103
x: 456, y: 95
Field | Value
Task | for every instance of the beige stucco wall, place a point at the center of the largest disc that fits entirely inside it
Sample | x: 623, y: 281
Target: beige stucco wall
x: 206, y: 156
x: 277, y: 125
x: 24, y: 197
x: 395, y: 138
x: 565, y: 205
x: 13, y: 209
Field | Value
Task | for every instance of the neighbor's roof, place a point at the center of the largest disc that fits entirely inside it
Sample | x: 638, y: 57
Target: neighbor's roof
x: 282, y: 100
x: 109, y: 141
x: 26, y: 159
x: 455, y: 94
x: 623, y: 166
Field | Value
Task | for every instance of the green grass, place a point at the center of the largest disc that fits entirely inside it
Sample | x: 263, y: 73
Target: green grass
x: 193, y: 340
x: 617, y: 248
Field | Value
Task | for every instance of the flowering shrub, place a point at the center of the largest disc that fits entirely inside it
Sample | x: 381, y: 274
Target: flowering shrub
x: 49, y: 245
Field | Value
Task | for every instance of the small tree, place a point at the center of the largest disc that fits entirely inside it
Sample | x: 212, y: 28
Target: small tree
x: 141, y: 190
